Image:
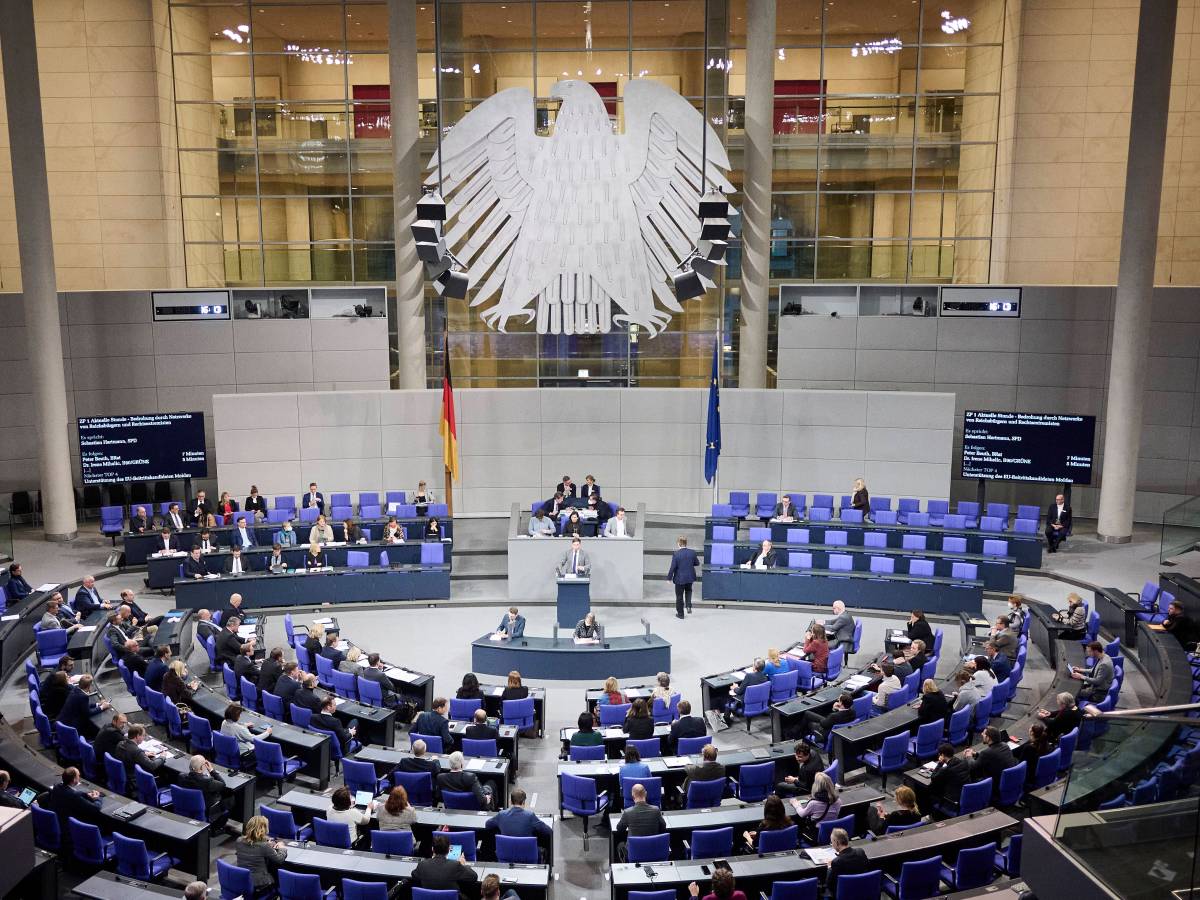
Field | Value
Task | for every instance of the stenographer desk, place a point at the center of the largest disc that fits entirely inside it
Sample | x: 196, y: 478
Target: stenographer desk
x: 996, y: 572
x: 264, y: 589
x: 140, y: 545
x: 541, y: 657
x: 161, y: 571
x: 820, y: 587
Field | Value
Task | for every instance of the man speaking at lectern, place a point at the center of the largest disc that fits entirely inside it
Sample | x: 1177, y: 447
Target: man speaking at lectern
x: 575, y: 561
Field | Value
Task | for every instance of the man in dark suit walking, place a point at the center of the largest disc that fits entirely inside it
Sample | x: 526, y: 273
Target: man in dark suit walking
x: 682, y: 574
x: 1058, y: 522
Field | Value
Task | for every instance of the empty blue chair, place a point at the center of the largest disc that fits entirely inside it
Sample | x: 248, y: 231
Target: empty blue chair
x: 394, y: 497
x: 87, y: 757
x: 517, y: 850
x: 997, y: 510
x: 433, y: 554
x: 835, y: 538
x: 406, y: 511
x: 579, y: 753
x: 891, y: 757
x: 924, y: 745
x: 646, y: 895
x: 358, y: 559
x: 920, y: 568
x: 112, y: 520
x: 1066, y: 748
x: 46, y: 832
x: 278, y: 516
x: 851, y: 516
x: 954, y: 544
x: 231, y: 682
x: 797, y: 535
x: 51, y: 647
x: 648, y: 748
x: 937, y: 510
x: 309, y: 514
x: 991, y: 523
x: 905, y: 507
x: 964, y: 570
x: 580, y: 797
x: 1025, y: 526
x: 1047, y: 768
x: 739, y: 501
x: 825, y: 829
x: 237, y: 882
x: 438, y: 510
x: 272, y: 706
x: 779, y: 839
x: 972, y: 868
x: 336, y: 500
x: 712, y: 843
x: 360, y: 776
x: 833, y: 666
x: 726, y: 534
x: 270, y: 763
x: 614, y: 714
x: 200, y: 735
x: 649, y: 849
x: 703, y: 794
x: 345, y: 684
x: 885, y: 517
x: 114, y: 774
x: 89, y: 844
x: 519, y: 713
x: 281, y: 824
x: 764, y: 505
x: 919, y: 879
x: 754, y: 783
x: 721, y: 555
x: 485, y: 747
x: 833, y: 770
x: 135, y: 861
x: 955, y: 521
x: 756, y: 701
x: 149, y: 793
x: 918, y: 520
x: 340, y: 513
x: 283, y: 502
x: 874, y: 539
x: 758, y: 535
x: 840, y: 562
x: 883, y: 565
x: 653, y: 788
x: 370, y: 511
x: 975, y: 796
x: 419, y: 786
x: 331, y: 834
x: 1008, y: 860
x: 395, y: 843
x: 691, y: 745
x: 295, y: 886
x: 368, y: 498
x: 719, y: 511
x: 1012, y: 785
x: 783, y: 685
x: 246, y: 688
x: 804, y: 889
x: 799, y: 559
x: 995, y: 548
x: 324, y: 672
x: 1029, y: 512
x: 820, y: 514
x: 969, y: 510
x: 664, y: 713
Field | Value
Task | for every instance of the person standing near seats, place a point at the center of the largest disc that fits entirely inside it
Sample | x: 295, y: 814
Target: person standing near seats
x: 512, y: 625
x: 1058, y: 522
x: 314, y: 499
x: 1096, y: 678
x: 552, y: 507
x: 860, y: 499
x: 256, y: 504
x: 918, y: 628
x: 575, y: 561
x: 763, y: 559
x: 841, y: 629
x: 682, y: 574
x: 422, y: 497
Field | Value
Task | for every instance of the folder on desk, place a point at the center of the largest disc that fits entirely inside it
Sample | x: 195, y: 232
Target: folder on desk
x: 476, y: 764
x: 675, y: 762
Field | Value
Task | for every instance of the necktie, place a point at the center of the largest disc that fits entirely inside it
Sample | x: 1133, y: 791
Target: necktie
x: 574, y: 562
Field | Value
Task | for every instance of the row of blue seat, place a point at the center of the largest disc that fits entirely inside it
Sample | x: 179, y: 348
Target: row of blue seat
x: 112, y: 518
x: 722, y: 557
x: 766, y: 501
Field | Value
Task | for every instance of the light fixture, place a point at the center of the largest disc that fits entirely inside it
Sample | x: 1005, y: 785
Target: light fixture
x: 883, y: 45
x: 954, y: 24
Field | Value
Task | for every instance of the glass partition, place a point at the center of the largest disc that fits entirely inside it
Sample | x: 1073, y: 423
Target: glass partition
x: 1180, y: 529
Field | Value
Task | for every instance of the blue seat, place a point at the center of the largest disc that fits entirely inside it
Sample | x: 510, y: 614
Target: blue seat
x: 1012, y: 785
x: 665, y: 713
x: 270, y: 763
x: 804, y: 889
x: 1047, y: 768
x: 301, y: 716
x: 877, y: 539
x: 825, y: 829
x: 960, y: 724
x: 295, y: 886
x: 995, y: 548
x: 272, y: 706
x: 364, y: 890
x: 246, y: 688
x: 135, y: 861
x: 517, y: 850
x: 309, y: 514
x: 357, y: 559
x: 648, y: 748
x: 581, y: 797
x: 582, y: 753
x: 480, y: 747
x: 779, y: 839
x: 149, y: 793
x: 649, y: 849
x: 929, y: 736
x: 200, y: 735
x: 114, y: 774
x: 859, y: 887
x: 759, y: 534
x: 919, y: 879
x: 324, y: 672
x: 395, y: 843
x: 284, y: 502
x: 964, y: 570
x: 460, y: 800
x: 360, y: 775
x: 833, y: 667
x: 784, y: 685
x: 1008, y: 860
x: 764, y: 505
x: 725, y: 534
x: 991, y: 524
x: 518, y: 713
x: 175, y: 726
x: 345, y: 684
x: 231, y: 683
x: 227, y: 749
x: 391, y: 497
x: 433, y: 554
x: 754, y: 782
x: 281, y: 824
x: 703, y: 794
x: 692, y: 745
x: 51, y: 647
x: 464, y: 710
x: 920, y: 568
x: 719, y: 511
x: 419, y: 786
x: 1025, y: 526
x: 369, y: 692
x: 851, y: 516
x: 711, y: 843
x: 756, y: 701
x: 653, y: 788
x: 237, y: 882
x: 46, y: 832
x: 883, y: 565
x: 1066, y: 748
x: 739, y: 502
x: 87, y: 760
x: 797, y: 536
x: 88, y: 843
x: 820, y: 514
x: 974, y: 797
x: 614, y: 714
x: 972, y: 868
x: 465, y: 839
x: 800, y: 559
x: 331, y: 834
x: 841, y: 562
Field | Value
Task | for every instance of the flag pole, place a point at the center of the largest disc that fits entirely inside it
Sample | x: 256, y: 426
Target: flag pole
x: 447, y: 475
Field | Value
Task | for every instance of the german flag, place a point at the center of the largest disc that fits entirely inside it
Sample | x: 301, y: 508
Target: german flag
x: 447, y: 428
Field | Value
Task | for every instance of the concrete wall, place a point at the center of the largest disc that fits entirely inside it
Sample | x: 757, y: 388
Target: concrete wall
x: 643, y: 445
x: 1053, y: 359
x: 119, y: 361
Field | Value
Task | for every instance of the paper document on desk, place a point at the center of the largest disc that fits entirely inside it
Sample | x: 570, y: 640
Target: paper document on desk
x: 10, y: 618
x: 246, y: 631
x: 854, y: 682
x: 46, y: 587
x: 587, y: 640
x: 476, y: 765
x: 822, y: 856
x: 322, y: 621
x: 495, y: 637
x: 343, y: 645
x: 86, y: 628
x: 613, y: 731
x: 675, y: 762
x: 497, y: 691
x: 338, y: 701
x: 929, y: 767
x: 401, y: 675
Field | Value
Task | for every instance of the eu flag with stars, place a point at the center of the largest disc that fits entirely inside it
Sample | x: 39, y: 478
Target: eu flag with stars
x: 712, y: 441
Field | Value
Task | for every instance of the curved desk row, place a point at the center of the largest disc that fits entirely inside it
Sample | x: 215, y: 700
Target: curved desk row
x: 16, y: 629
x: 820, y: 587
x: 1025, y: 548
x: 262, y: 589
x: 562, y: 658
x: 996, y: 572
x: 140, y: 545
x: 161, y: 571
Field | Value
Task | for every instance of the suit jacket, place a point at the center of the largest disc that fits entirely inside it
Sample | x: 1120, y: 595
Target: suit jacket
x: 422, y: 764
x: 552, y: 509
x: 269, y: 674
x: 768, y: 560
x: 705, y: 771
x: 934, y: 707
x: 236, y: 539
x: 276, y: 565
x: 638, y: 729
x: 199, y: 511
x: 788, y: 512
x: 1099, y: 679
x: 326, y: 722
x: 946, y: 781
x: 256, y: 504
x: 155, y: 672
x: 333, y: 653
x: 131, y: 754
x: 68, y: 802
x: 483, y: 732
x: 194, y: 568
x: 370, y: 673
x: 286, y: 688
x: 259, y: 858
x: 18, y: 589
x: 610, y: 529
x: 441, y: 874
x: 991, y: 761
x: 77, y: 711
x: 53, y: 699
x: 106, y: 742
x: 431, y: 723
x: 139, y: 524
x: 307, y: 500
x: 683, y: 566
x: 246, y: 561
x: 212, y: 786
x: 207, y: 629
x: 851, y: 861
x: 750, y: 681
x: 686, y: 726
x: 516, y: 821
x: 228, y: 647
x: 307, y: 699
x: 583, y: 564
x: 86, y: 602
x: 171, y: 543
x: 1053, y: 518
x: 840, y: 628
x: 837, y: 716
x: 515, y: 629
x: 642, y: 820
x: 463, y: 782
x: 571, y: 490
x: 243, y: 667
x: 177, y: 524
x: 920, y: 630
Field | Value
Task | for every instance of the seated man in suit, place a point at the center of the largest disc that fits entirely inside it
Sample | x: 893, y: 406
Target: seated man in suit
x: 201, y: 509
x: 194, y: 566
x: 686, y: 726
x: 785, y: 510
x: 272, y: 669
x: 517, y: 821
x: 847, y: 861
x: 553, y: 507
x: 575, y: 561
x: 243, y: 664
x: 462, y: 781
x: 55, y: 616
x: 202, y: 776
x: 306, y: 697
x: 808, y: 764
x: 708, y: 769
x: 205, y: 626
x: 167, y: 543
x: 68, y: 800
x: 479, y: 729
x: 763, y: 559
x: 88, y: 599
x: 229, y: 642
x: 326, y: 719
x: 419, y: 762
x: 1097, y: 674
x: 276, y: 561
x: 994, y: 758
x: 840, y: 629
x: 331, y: 651
x: 512, y: 625
x: 110, y: 735
x: 288, y: 682
x: 208, y: 543
x: 243, y: 535
x: 818, y: 726
x: 433, y: 722
x: 1058, y: 522
x: 234, y: 608
x: 738, y: 695
x: 130, y: 752
x: 642, y: 819
x: 313, y: 498
x: 540, y: 525
x: 617, y: 526
x: 375, y: 670
x: 175, y: 520
x: 134, y: 661
x: 78, y: 709
x: 156, y: 670
x: 237, y: 564
x: 139, y: 522
x: 567, y: 487
x: 438, y: 873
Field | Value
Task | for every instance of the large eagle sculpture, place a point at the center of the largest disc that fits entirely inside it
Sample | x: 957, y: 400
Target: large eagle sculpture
x: 583, y: 219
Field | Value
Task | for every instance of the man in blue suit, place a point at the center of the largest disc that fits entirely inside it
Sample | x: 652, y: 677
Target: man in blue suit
x: 78, y: 709
x: 313, y: 498
x: 242, y: 535
x: 88, y: 599
x: 512, y: 625
x: 682, y: 574
x: 18, y: 588
x: 517, y: 821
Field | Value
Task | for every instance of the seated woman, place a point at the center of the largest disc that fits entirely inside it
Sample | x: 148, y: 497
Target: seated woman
x: 470, y: 688
x: 314, y: 558
x: 396, y: 814
x: 258, y: 853
x: 723, y: 887
x: 351, y: 662
x: 287, y: 536
x: 315, y: 641
x: 235, y: 729
x: 633, y: 767
x: 588, y: 628
x: 573, y: 527
x: 433, y: 529
x: 775, y: 663
x: 825, y: 803
x: 342, y: 809
x: 662, y: 689
x: 905, y: 813
x: 586, y: 735
x: 816, y: 648
x: 934, y: 704
x: 612, y: 695
x: 514, y: 690
x: 1037, y: 746
x: 638, y: 724
x: 775, y: 818
x: 392, y: 532
x: 321, y: 532
x: 226, y: 507
x: 175, y: 685
x: 1073, y: 618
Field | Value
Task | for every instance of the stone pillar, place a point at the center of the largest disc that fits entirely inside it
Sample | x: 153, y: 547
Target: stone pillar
x: 23, y: 97
x: 756, y: 192
x: 406, y: 190
x: 1135, y: 281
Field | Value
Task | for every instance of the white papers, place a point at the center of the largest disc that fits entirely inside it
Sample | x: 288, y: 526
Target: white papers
x: 737, y: 676
x: 246, y: 631
x: 675, y: 762
x: 475, y: 765
x: 212, y: 575
x: 338, y: 701
x: 402, y: 675
x: 84, y: 628
x: 9, y: 618
x: 855, y: 682
x: 613, y: 731
x: 496, y: 637
x: 322, y: 621
x: 46, y: 587
x: 570, y: 575
x: 580, y: 640
x: 820, y: 855
x: 497, y: 691
x: 343, y: 645
x: 929, y: 767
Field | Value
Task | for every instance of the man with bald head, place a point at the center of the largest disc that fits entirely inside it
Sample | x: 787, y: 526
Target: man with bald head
x: 840, y: 629
x: 88, y: 599
x: 139, y: 615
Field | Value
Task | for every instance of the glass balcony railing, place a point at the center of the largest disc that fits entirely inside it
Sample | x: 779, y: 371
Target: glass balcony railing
x: 1180, y: 529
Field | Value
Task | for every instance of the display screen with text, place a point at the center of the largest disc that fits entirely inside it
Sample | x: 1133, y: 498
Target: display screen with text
x: 1012, y: 446
x: 151, y: 447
